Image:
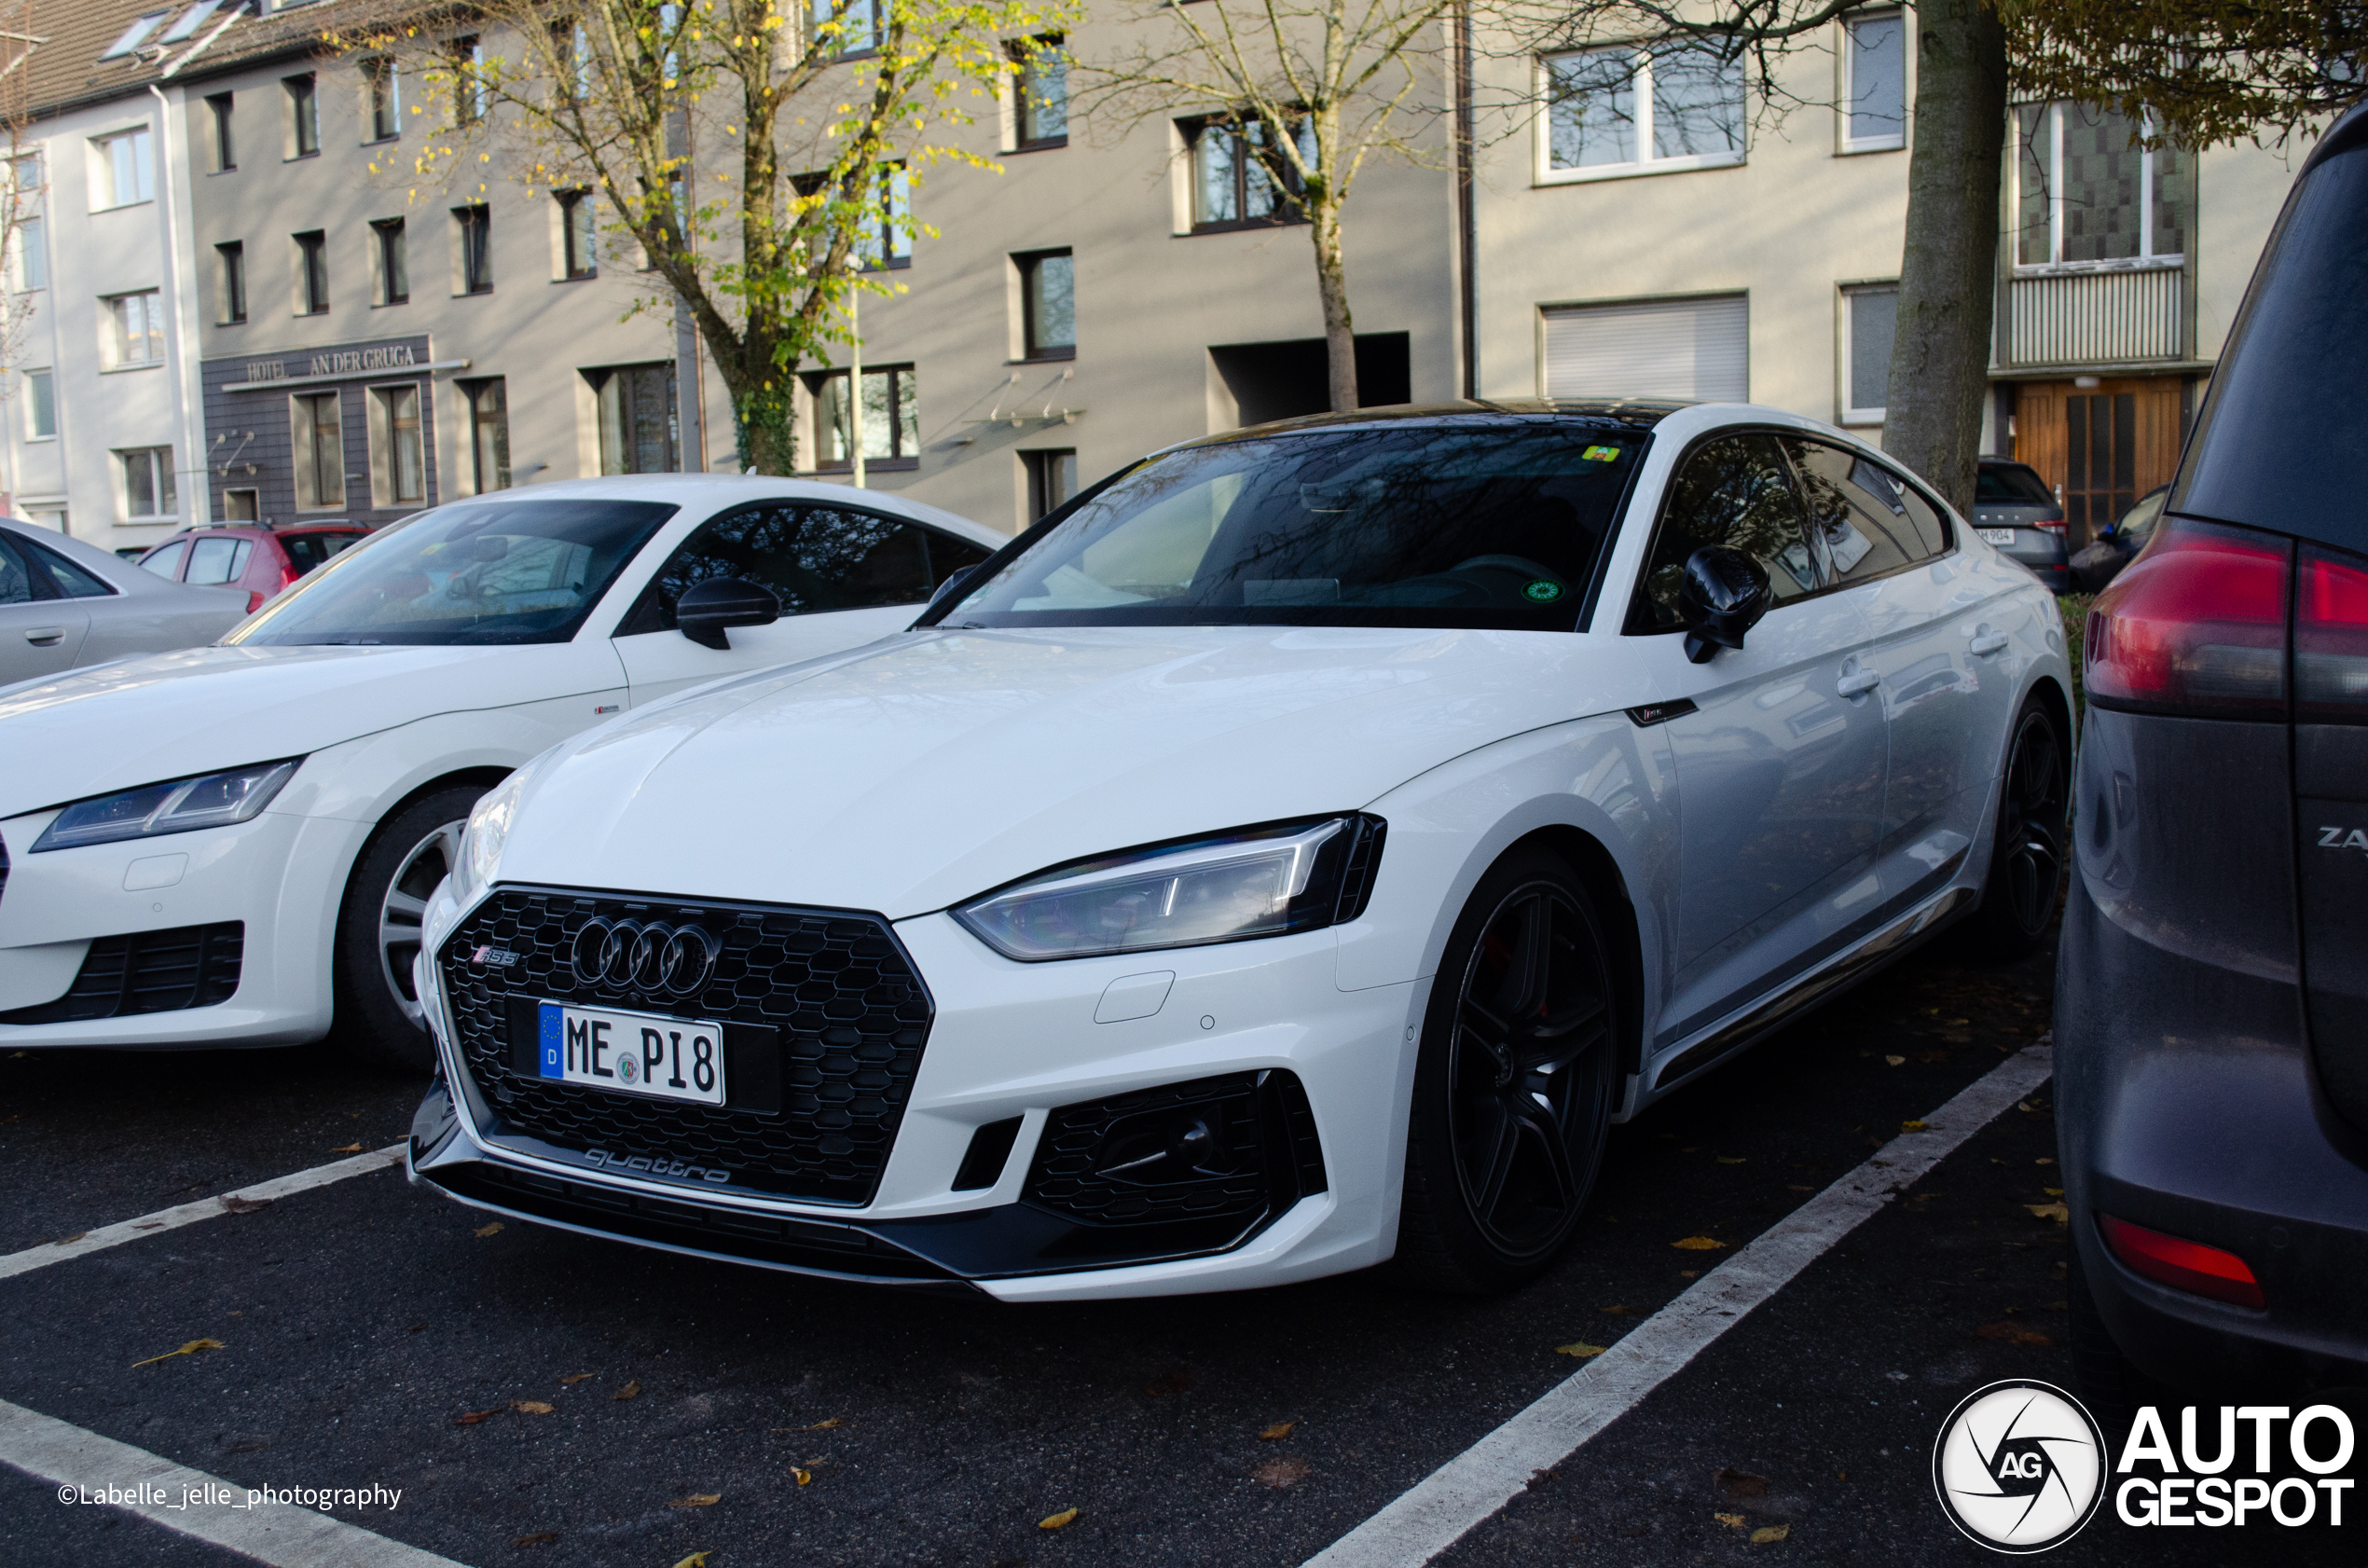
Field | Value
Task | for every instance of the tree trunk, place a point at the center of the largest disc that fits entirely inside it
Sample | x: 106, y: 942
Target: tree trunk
x: 1948, y: 275
x: 1331, y: 283
x: 760, y: 410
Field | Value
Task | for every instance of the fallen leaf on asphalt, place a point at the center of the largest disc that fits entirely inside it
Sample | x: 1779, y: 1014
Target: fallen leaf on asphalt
x: 1614, y: 1310
x: 1932, y: 1058
x: 1731, y: 1158
x: 1796, y: 1187
x: 2053, y: 1191
x: 2055, y: 1211
x: 1580, y: 1350
x: 492, y: 1229
x: 1733, y: 1521
x: 697, y: 1500
x: 1911, y: 1126
x: 1737, y: 1484
x: 1698, y: 1244
x: 629, y: 1391
x: 69, y: 1241
x: 355, y: 1148
x: 1169, y: 1382
x: 190, y: 1349
x: 1056, y: 1521
x: 1689, y: 1273
x: 232, y: 1203
x: 1895, y: 1061
x: 417, y: 1329
x: 1277, y: 1432
x: 1769, y: 1532
x: 539, y: 1538
x: 825, y: 1426
x: 2042, y: 1160
x: 151, y: 1225
x: 473, y: 1417
x: 2013, y: 1332
x: 802, y: 1476
x: 696, y: 1560
x: 577, y: 1377
x: 530, y: 1407
x: 1280, y: 1473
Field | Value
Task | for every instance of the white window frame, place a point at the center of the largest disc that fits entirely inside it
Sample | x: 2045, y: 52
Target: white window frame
x: 33, y: 401
x: 112, y: 335
x: 1849, y: 414
x: 160, y: 480
x: 302, y: 438
x: 1545, y: 173
x: 2054, y: 161
x: 103, y: 167
x: 385, y: 491
x: 1848, y: 93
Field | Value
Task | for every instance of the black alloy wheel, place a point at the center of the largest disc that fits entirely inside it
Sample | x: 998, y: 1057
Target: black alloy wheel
x: 1514, y: 1083
x: 2027, y: 863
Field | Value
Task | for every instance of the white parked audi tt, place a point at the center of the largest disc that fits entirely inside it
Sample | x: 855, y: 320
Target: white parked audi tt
x: 232, y: 844
x: 1292, y: 855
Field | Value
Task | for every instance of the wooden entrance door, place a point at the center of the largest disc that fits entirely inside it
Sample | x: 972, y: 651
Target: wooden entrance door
x: 2099, y: 448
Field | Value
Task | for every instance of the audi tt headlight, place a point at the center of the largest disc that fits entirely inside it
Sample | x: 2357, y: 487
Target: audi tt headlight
x: 177, y: 805
x: 481, y: 841
x: 1259, y: 882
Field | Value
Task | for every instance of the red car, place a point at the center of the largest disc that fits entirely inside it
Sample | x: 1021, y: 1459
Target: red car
x: 262, y: 560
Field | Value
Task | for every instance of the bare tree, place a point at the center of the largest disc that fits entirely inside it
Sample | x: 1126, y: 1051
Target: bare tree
x: 829, y: 112
x: 1308, y: 90
x: 23, y: 186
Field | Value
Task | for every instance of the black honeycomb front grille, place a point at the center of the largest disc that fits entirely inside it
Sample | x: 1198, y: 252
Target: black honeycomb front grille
x: 1105, y: 1161
x: 829, y: 997
x: 148, y: 971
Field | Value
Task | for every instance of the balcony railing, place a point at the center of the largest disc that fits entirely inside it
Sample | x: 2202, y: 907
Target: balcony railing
x: 2107, y: 317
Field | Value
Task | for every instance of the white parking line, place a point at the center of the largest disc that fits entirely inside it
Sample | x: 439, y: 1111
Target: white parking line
x: 1470, y: 1488
x: 82, y: 1464
x: 190, y: 1214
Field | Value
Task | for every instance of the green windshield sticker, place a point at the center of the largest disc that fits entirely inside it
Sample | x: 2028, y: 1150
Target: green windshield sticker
x: 1601, y: 454
x: 1542, y: 591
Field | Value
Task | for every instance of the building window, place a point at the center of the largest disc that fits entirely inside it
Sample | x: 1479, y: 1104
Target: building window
x: 2086, y: 193
x: 1040, y: 94
x: 1048, y: 305
x: 40, y: 406
x: 393, y: 268
x: 576, y: 258
x: 382, y: 101
x: 304, y: 115
x: 224, y: 150
x: 1869, y: 314
x: 135, y: 329
x: 892, y: 418
x: 398, y: 466
x: 474, y: 230
x: 853, y: 26
x: 1051, y: 480
x: 1875, y: 82
x: 319, y: 450
x: 124, y: 171
x: 29, y: 254
x: 312, y: 272
x: 466, y: 62
x: 1623, y: 111
x: 1236, y: 182
x: 147, y: 483
x: 230, y: 283
x: 638, y: 417
x: 886, y: 240
x: 489, y: 433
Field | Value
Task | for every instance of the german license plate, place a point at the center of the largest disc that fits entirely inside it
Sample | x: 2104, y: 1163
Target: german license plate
x: 1996, y: 536
x: 631, y: 1052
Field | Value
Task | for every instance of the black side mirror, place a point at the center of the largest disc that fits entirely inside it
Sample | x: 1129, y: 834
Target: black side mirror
x: 1723, y: 595
x: 702, y: 613
x: 956, y: 584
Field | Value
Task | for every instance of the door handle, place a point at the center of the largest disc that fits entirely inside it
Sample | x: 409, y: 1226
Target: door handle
x: 45, y: 637
x: 1858, y: 682
x: 1995, y: 642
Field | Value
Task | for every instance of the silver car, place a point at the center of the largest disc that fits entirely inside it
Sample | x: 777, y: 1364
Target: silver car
x: 2015, y: 510
x: 64, y: 603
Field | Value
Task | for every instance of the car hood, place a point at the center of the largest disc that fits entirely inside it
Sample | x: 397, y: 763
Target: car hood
x: 167, y: 715
x: 931, y: 766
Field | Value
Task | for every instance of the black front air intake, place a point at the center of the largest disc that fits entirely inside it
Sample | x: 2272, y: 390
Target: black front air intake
x: 147, y: 971
x: 824, y: 1019
x: 1229, y: 1149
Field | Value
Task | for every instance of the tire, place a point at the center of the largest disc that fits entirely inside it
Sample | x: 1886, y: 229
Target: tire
x: 1513, y: 1083
x: 377, y: 1011
x: 2028, y: 857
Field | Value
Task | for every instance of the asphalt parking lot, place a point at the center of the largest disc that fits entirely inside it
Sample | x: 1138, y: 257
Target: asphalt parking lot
x: 543, y: 1399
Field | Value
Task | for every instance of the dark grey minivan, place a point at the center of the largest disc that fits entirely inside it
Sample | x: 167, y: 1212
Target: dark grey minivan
x: 2211, y: 1021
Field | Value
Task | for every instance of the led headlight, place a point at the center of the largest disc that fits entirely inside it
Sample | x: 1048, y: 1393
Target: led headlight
x: 1259, y: 882
x: 177, y: 805
x: 481, y: 841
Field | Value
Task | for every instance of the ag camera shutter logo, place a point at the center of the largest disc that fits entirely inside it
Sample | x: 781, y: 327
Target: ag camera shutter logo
x: 2020, y: 1467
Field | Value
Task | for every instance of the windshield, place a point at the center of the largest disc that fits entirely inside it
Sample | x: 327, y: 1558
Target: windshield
x: 478, y: 572
x: 1494, y: 525
x: 2010, y: 483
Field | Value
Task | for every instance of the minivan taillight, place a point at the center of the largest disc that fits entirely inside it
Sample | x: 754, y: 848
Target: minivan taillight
x: 2196, y: 624
x: 2331, y: 639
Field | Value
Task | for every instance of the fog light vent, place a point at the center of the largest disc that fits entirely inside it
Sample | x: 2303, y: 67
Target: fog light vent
x: 1213, y: 1147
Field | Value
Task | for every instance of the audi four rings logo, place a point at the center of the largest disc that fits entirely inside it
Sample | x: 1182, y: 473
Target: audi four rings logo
x: 652, y: 956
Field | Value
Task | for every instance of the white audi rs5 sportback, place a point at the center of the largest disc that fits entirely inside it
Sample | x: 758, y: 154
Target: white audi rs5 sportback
x: 1293, y: 854
x: 233, y: 844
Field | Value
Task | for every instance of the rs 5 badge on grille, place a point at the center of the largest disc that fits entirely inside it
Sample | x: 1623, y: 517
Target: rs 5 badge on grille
x: 632, y: 1053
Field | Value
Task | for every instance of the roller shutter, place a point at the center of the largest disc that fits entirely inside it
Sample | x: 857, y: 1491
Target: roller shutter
x: 1663, y: 348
